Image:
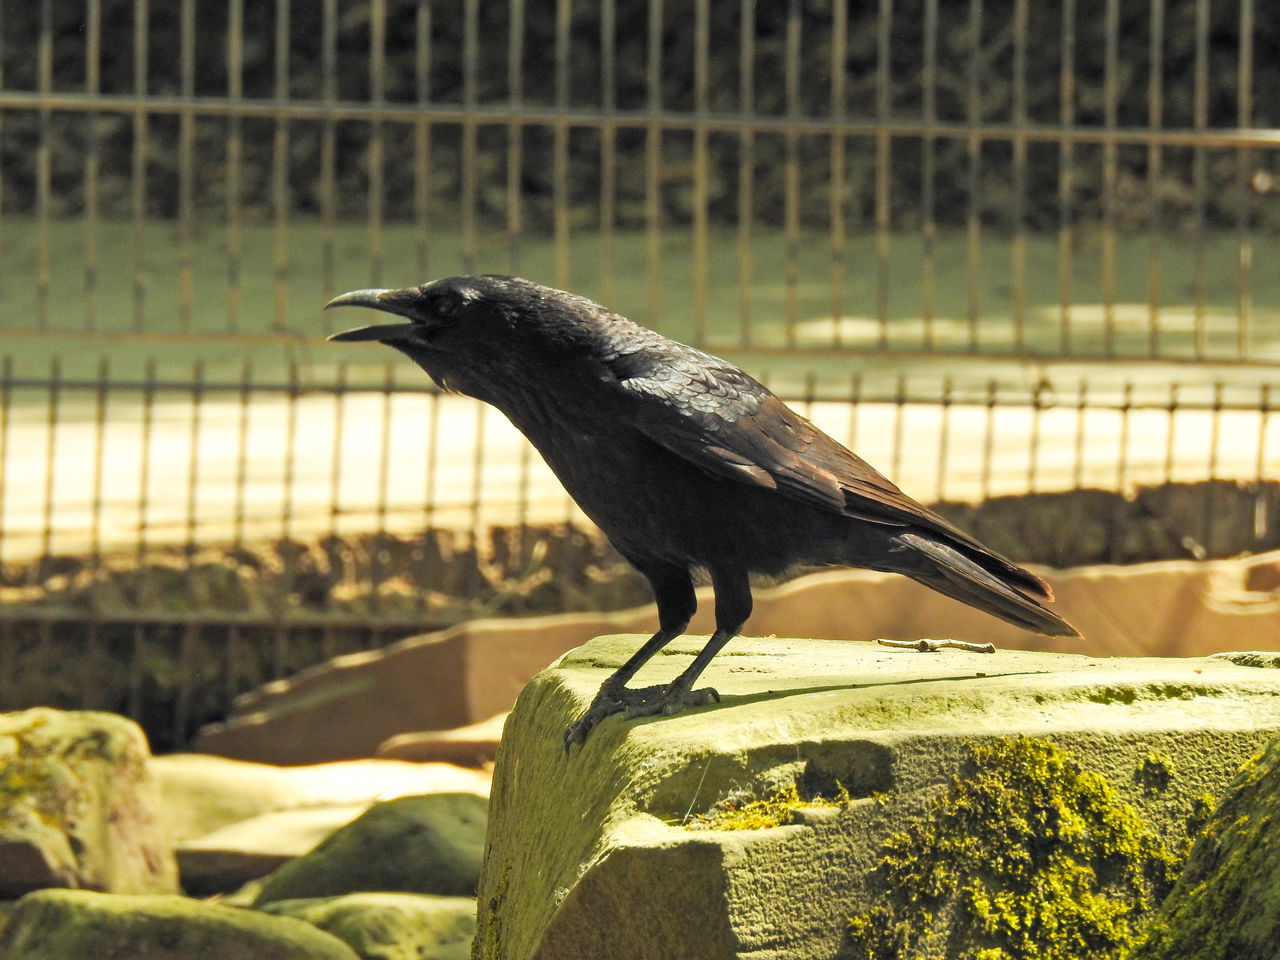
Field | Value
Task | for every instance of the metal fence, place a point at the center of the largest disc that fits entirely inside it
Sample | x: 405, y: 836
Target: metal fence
x: 998, y: 247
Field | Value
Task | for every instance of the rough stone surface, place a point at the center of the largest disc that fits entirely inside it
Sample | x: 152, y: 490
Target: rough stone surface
x: 79, y: 925
x: 391, y: 926
x: 573, y: 838
x: 203, y: 794
x: 78, y: 806
x: 227, y: 858
x: 472, y: 671
x: 430, y: 844
x: 474, y: 745
x: 1226, y: 904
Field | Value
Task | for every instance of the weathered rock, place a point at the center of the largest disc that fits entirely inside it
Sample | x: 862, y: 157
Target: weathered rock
x: 78, y: 806
x: 391, y: 926
x: 431, y: 844
x: 203, y: 793
x: 573, y: 838
x: 76, y: 924
x: 472, y: 671
x: 227, y: 858
x: 1226, y: 904
x: 474, y: 745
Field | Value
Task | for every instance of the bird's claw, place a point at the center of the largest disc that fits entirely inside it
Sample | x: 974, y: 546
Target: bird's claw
x: 642, y: 702
x: 673, y: 701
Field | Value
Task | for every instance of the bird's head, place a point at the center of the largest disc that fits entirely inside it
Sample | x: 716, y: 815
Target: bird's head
x: 483, y: 335
x: 436, y: 313
x: 453, y: 328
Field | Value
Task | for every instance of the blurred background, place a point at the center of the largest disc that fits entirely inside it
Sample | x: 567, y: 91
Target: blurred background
x: 1022, y: 257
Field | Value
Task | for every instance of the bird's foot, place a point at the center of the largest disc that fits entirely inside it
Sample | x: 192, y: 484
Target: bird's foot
x: 636, y: 702
x: 672, y: 700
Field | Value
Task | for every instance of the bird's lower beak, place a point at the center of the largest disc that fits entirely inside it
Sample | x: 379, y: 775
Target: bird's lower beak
x: 391, y: 301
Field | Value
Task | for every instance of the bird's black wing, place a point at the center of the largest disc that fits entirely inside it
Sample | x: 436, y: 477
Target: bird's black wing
x: 724, y: 421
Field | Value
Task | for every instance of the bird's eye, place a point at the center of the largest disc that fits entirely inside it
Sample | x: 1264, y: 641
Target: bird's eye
x: 446, y: 305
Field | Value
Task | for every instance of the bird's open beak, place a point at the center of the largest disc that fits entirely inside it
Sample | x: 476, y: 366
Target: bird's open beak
x: 399, y: 302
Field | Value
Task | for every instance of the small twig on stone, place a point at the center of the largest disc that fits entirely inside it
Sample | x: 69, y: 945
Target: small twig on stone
x: 933, y: 646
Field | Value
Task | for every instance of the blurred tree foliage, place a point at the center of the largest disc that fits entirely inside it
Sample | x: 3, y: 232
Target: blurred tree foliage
x: 978, y: 59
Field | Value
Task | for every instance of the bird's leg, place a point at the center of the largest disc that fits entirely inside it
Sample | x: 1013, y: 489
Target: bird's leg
x: 673, y: 591
x: 733, y: 606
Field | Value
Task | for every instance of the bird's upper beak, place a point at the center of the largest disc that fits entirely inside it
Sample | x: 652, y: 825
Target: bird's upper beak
x: 401, y: 302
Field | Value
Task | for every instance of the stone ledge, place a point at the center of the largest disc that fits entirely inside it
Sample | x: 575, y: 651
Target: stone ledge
x: 586, y: 855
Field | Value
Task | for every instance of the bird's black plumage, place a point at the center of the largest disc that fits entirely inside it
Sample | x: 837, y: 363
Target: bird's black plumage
x: 684, y: 461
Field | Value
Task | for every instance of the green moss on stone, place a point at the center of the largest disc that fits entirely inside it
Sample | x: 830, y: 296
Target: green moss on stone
x: 777, y: 810
x: 1226, y: 904
x: 1024, y: 855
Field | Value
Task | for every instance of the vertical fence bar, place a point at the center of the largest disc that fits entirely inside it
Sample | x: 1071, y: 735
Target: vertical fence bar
x: 289, y: 456
x: 1262, y: 497
x: 1244, y: 161
x: 3, y: 47
x: 44, y: 162
x: 289, y: 574
x: 1110, y: 159
x: 653, y: 169
x: 51, y: 455
x: 884, y: 146
x: 1018, y: 211
x: 929, y: 173
x: 193, y: 460
x: 470, y: 132
x: 6, y: 408
x: 989, y: 440
x: 138, y: 165
x: 99, y: 456
x: 1209, y: 503
x: 328, y: 642
x: 280, y: 174
x: 608, y: 156
x: 1200, y: 176
x: 242, y: 454
x: 336, y: 458
x: 377, y: 158
x: 235, y: 162
x: 475, y: 507
x: 701, y: 162
x: 378, y: 556
x: 791, y: 173
x: 973, y: 167
x: 1066, y: 175
x: 1155, y: 175
x: 1122, y: 456
x: 944, y: 437
x: 836, y: 211
x: 899, y: 423
x: 186, y: 165
x: 429, y: 497
x: 1170, y: 440
x: 329, y: 150
x: 144, y: 473
x: 422, y: 134
x: 1082, y: 407
x: 92, y: 158
x: 1038, y: 405
x: 746, y: 167
x: 515, y: 136
x: 560, y: 148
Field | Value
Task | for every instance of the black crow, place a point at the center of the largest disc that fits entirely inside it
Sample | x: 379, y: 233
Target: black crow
x: 685, y: 462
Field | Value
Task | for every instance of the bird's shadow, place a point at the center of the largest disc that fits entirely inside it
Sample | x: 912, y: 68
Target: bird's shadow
x: 741, y: 699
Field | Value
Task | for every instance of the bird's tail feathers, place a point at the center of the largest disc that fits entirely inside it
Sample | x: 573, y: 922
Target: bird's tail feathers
x: 950, y: 572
